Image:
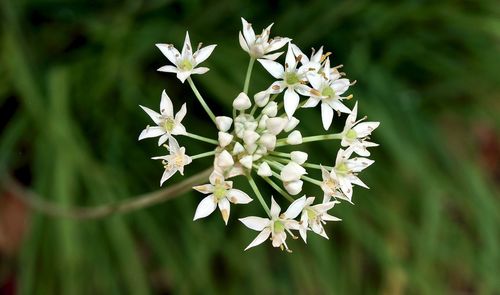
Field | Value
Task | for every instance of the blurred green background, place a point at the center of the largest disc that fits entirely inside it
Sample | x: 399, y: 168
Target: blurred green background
x: 74, y: 72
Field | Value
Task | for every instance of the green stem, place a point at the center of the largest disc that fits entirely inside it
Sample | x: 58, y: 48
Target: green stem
x: 200, y: 99
x: 202, y: 155
x: 249, y: 74
x: 282, y: 141
x: 259, y: 196
x: 315, y: 166
x: 279, y: 189
x: 201, y: 138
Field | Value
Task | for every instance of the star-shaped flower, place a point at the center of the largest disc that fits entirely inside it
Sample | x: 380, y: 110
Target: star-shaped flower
x: 347, y: 171
x: 330, y: 185
x: 221, y: 193
x: 328, y: 91
x: 356, y: 134
x: 175, y: 161
x: 185, y: 62
x: 260, y: 46
x: 314, y: 216
x: 277, y: 226
x: 168, y: 124
x: 292, y: 78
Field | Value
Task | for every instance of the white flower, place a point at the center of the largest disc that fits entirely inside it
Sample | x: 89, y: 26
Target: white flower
x: 355, y: 134
x: 223, y: 123
x: 293, y: 187
x: 294, y: 138
x: 242, y: 102
x: 264, y: 170
x: 175, y: 161
x: 299, y: 157
x: 330, y: 185
x: 291, y: 172
x: 347, y: 169
x: 327, y: 91
x: 277, y: 226
x: 313, y: 218
x: 186, y: 61
x: 221, y: 193
x: 260, y: 46
x: 292, y: 79
x: 168, y: 124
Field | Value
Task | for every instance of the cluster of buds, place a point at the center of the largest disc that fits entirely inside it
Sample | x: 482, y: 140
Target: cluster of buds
x: 248, y: 142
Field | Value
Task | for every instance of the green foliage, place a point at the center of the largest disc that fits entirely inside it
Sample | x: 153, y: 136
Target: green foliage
x: 74, y: 73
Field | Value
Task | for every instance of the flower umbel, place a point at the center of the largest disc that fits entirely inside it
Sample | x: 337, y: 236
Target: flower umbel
x: 261, y: 141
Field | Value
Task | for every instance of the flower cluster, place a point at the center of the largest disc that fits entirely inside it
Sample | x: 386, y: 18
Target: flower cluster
x: 248, y: 143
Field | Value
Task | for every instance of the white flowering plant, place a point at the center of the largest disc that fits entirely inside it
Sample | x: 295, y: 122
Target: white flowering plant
x: 250, y: 142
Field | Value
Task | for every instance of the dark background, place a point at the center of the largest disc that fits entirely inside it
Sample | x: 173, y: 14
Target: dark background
x: 74, y: 72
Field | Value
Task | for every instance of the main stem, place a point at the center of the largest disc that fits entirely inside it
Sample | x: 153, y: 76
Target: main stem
x: 200, y: 99
x: 201, y: 138
x: 282, y: 141
x: 248, y: 75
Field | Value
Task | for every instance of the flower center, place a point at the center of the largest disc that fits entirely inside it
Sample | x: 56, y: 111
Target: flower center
x: 342, y: 169
x: 186, y: 65
x: 351, y: 134
x: 179, y: 160
x: 311, y: 214
x: 328, y: 91
x: 331, y: 184
x: 169, y: 124
x: 220, y: 192
x: 278, y: 227
x: 291, y: 78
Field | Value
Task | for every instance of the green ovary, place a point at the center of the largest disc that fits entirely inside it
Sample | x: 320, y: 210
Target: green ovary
x: 342, y: 169
x: 291, y: 78
x: 278, y: 226
x: 186, y: 65
x: 351, y: 134
x: 169, y: 124
x: 220, y: 192
x: 311, y: 214
x: 328, y: 91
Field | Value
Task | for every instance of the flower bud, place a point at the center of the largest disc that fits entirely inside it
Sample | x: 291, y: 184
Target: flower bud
x: 238, y: 148
x: 251, y: 125
x: 264, y: 170
x: 261, y: 98
x: 242, y: 102
x: 298, y: 157
x: 294, y: 138
x: 291, y: 172
x: 262, y: 122
x: 268, y: 140
x: 224, y: 138
x: 250, y: 137
x: 251, y: 148
x: 271, y: 109
x: 294, y: 187
x: 292, y: 123
x: 223, y: 123
x: 247, y: 161
x: 225, y: 159
x: 276, y: 125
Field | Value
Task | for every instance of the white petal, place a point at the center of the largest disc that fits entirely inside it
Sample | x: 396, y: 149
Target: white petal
x: 206, y: 207
x: 338, y: 105
x: 276, y: 125
x: 238, y: 148
x: 358, y: 164
x: 166, y: 175
x: 151, y: 132
x: 290, y: 58
x: 168, y: 69
x: 264, y: 170
x: 186, y: 48
x: 179, y: 129
x: 163, y: 139
x: 274, y: 68
x: 295, y: 208
x: 277, y: 43
x: 182, y: 76
x: 311, y: 102
x: 223, y: 123
x: 326, y: 115
x: 224, y: 138
x: 272, y: 56
x: 298, y: 157
x: 316, y: 80
x: 236, y: 196
x: 225, y: 159
x: 261, y: 238
x: 275, y: 208
x: 225, y: 209
x: 173, y: 145
x: 271, y: 109
x: 365, y: 128
x: 291, y: 172
x: 261, y: 98
x: 294, y: 138
x: 202, y: 54
x: 166, y: 107
x: 268, y: 140
x: 205, y: 188
x: 152, y: 114
x: 169, y: 51
x: 355, y: 180
x: 340, y: 86
x: 181, y: 113
x: 291, y: 102
x: 200, y: 70
x: 346, y: 187
x: 255, y: 223
x: 243, y: 43
x: 276, y: 87
x: 250, y: 137
x: 248, y: 32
